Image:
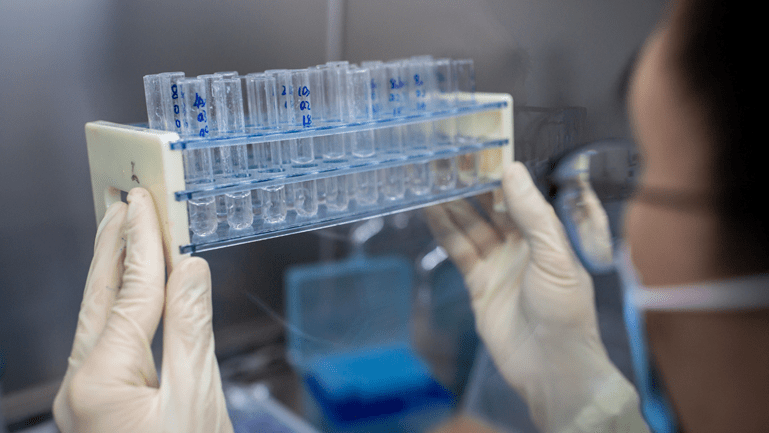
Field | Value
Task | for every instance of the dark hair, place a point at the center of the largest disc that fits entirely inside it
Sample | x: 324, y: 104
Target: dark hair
x: 712, y: 39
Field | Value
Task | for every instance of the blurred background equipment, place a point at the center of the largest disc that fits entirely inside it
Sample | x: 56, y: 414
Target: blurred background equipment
x: 350, y: 341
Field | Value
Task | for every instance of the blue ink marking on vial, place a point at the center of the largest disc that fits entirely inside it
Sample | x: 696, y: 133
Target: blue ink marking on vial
x: 396, y: 84
x: 199, y: 102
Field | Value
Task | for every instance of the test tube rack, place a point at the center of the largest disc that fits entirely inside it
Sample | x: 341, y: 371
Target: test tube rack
x: 122, y: 157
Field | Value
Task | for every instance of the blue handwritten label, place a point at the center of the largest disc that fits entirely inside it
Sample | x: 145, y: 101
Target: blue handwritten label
x: 199, y: 102
x: 396, y: 84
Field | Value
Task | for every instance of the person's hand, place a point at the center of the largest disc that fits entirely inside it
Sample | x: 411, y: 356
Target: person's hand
x: 111, y: 384
x: 534, y: 307
x: 592, y: 225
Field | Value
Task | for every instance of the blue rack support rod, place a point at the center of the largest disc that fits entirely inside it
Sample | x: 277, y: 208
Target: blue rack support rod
x: 122, y: 157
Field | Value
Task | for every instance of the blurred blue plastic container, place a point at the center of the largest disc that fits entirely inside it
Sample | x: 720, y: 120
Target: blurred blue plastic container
x: 253, y: 410
x: 350, y: 341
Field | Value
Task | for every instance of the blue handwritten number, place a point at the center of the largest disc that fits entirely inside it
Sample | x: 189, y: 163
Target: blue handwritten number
x: 396, y: 84
x: 284, y: 90
x: 304, y: 105
x: 202, y: 116
x: 174, y: 92
x: 204, y: 131
x: 306, y: 120
x: 178, y: 123
x: 176, y: 109
x: 303, y: 91
x: 199, y: 102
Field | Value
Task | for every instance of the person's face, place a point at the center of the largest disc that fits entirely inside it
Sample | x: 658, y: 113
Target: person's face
x: 671, y: 138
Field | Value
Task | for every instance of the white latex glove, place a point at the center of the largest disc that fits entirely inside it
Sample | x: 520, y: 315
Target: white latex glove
x: 593, y: 225
x: 111, y: 384
x: 535, y: 310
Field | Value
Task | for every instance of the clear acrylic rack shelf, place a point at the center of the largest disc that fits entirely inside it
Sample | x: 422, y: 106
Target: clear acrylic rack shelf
x: 122, y: 157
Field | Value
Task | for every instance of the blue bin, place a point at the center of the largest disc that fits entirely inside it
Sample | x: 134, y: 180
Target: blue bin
x: 350, y: 342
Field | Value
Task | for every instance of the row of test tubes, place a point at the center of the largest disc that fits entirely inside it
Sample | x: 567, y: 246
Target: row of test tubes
x: 332, y: 94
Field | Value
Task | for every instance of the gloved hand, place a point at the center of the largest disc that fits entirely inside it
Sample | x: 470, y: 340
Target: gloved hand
x: 111, y: 384
x: 535, y: 311
x: 593, y: 225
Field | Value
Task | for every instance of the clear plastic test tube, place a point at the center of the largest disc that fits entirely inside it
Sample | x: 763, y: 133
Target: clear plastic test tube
x: 284, y: 101
x: 445, y: 99
x: 418, y: 175
x: 416, y: 83
x: 359, y: 109
x: 318, y: 119
x: 387, y: 90
x: 463, y: 82
x: 159, y: 114
x: 301, y: 112
x: 421, y: 87
x: 333, y: 75
x: 424, y: 98
x: 379, y: 105
x: 228, y: 94
x: 305, y: 193
x: 464, y: 79
x: 263, y: 108
x: 219, y: 153
x: 263, y: 112
x: 387, y: 141
x: 421, y: 83
x: 333, y: 191
x: 358, y: 82
x: 163, y: 101
x: 198, y: 162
